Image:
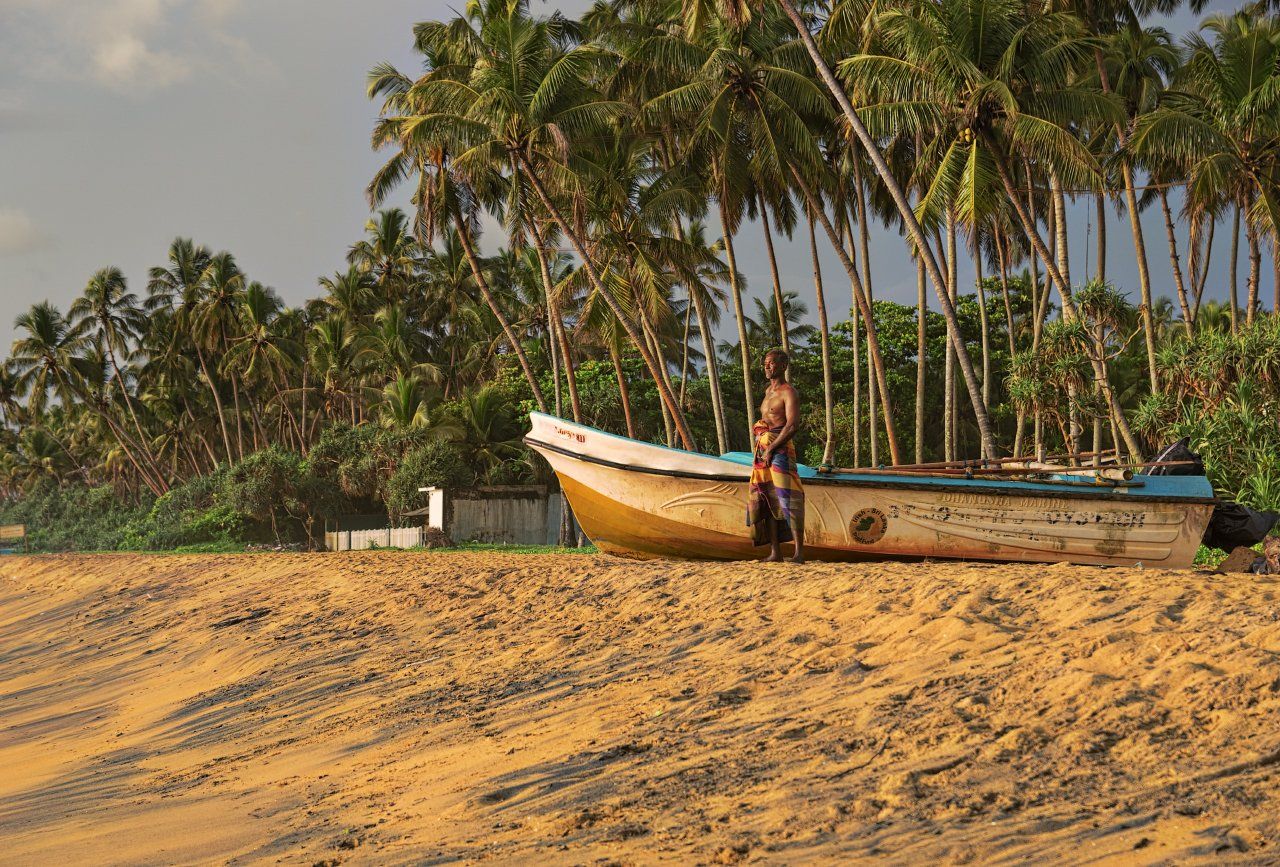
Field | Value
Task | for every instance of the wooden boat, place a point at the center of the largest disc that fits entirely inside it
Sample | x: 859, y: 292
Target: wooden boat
x: 638, y: 499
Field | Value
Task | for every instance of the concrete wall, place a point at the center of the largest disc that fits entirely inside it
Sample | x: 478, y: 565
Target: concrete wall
x: 510, y: 520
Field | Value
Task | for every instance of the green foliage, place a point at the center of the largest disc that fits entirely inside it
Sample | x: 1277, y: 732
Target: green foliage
x: 1224, y: 393
x: 72, y: 518
x: 270, y: 495
x: 432, y: 464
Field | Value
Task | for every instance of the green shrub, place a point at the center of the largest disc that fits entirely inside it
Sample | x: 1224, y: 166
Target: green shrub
x: 72, y: 518
x: 432, y: 464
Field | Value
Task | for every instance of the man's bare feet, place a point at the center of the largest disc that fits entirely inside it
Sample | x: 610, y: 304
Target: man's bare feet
x: 775, y: 557
x: 799, y: 558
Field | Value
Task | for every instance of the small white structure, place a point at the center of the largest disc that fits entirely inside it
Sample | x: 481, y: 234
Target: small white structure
x: 501, y: 514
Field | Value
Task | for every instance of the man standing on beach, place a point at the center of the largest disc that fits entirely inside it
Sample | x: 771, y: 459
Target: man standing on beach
x: 775, y: 503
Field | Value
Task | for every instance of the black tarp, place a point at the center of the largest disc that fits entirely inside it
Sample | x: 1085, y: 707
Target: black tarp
x: 1231, y: 525
x: 1234, y: 525
x: 1179, y: 451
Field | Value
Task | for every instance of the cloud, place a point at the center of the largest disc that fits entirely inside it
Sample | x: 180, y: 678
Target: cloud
x: 18, y: 234
x: 126, y: 45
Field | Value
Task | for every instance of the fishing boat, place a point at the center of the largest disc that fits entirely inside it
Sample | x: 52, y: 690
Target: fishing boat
x: 638, y: 499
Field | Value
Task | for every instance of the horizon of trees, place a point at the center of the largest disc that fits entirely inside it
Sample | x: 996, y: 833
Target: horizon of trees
x: 628, y: 154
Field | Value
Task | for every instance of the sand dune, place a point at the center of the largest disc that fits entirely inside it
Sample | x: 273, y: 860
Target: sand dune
x: 420, y: 708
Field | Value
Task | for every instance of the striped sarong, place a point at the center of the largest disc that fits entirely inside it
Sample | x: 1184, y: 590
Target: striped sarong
x: 775, y: 492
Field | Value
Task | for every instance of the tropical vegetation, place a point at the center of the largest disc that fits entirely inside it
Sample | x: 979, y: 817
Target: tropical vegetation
x: 618, y: 162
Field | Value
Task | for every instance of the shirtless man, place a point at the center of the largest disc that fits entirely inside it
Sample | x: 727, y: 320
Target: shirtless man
x: 776, y: 507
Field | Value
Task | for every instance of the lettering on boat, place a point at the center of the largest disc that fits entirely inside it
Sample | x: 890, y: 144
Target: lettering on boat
x: 1043, y: 504
x: 573, y: 435
x: 868, y: 526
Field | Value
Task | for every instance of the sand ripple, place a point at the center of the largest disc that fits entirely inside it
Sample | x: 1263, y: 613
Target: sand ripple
x: 420, y: 708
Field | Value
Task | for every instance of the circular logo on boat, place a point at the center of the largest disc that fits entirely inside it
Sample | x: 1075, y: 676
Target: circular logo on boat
x: 868, y: 526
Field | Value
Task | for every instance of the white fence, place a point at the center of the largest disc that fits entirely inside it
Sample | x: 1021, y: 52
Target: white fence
x: 361, y: 540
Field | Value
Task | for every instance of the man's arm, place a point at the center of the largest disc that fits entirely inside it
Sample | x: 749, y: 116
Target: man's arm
x: 791, y: 409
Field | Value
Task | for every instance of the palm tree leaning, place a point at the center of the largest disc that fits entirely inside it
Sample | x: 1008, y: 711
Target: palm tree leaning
x: 47, y: 360
x: 1006, y: 88
x: 914, y: 229
x: 439, y: 197
x: 524, y: 105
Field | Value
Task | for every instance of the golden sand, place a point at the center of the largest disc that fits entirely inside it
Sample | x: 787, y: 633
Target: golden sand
x: 421, y: 708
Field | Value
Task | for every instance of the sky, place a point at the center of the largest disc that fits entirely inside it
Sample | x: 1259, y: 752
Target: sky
x: 244, y: 125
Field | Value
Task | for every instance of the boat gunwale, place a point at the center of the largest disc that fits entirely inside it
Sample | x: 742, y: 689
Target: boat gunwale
x: 1100, y: 493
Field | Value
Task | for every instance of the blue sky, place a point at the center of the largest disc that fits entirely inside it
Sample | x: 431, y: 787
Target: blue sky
x: 125, y: 123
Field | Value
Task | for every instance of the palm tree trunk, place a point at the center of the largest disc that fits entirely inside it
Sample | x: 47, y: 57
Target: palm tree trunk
x: 593, y: 276
x: 857, y: 357
x: 560, y: 341
x: 302, y: 426
x: 773, y: 270
x: 1235, y: 268
x: 684, y: 351
x: 1275, y: 271
x: 1174, y: 263
x: 982, y: 320
x: 920, y: 360
x: 1100, y: 201
x: 128, y: 402
x: 864, y: 306
x: 235, y: 397
x: 908, y: 216
x: 623, y: 392
x: 873, y: 424
x: 464, y: 237
x: 553, y: 353
x: 949, y: 362
x: 713, y: 372
x: 1020, y: 414
x: 1203, y: 274
x: 217, y: 401
x: 1144, y: 274
x: 1255, y: 269
x: 864, y: 227
x: 655, y: 347
x: 828, y: 397
x: 1064, y: 288
x: 735, y: 290
x: 1062, y: 250
x: 126, y: 442
x: 864, y: 242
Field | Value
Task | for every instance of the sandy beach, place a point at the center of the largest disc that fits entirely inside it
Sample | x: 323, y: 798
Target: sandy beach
x: 427, y: 708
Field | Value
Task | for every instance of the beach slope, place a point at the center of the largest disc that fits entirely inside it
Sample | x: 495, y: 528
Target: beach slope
x: 390, y: 707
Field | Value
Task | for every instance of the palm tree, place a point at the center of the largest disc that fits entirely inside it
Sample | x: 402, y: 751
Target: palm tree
x: 1219, y: 121
x: 47, y: 359
x: 212, y: 319
x: 753, y: 108
x: 440, y: 197
x: 995, y: 91
x: 180, y: 286
x: 518, y: 111
x: 388, y: 254
x: 737, y: 9
x: 262, y: 351
x: 110, y: 315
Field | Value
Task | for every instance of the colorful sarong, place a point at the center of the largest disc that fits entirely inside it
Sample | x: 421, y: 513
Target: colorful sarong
x: 775, y: 491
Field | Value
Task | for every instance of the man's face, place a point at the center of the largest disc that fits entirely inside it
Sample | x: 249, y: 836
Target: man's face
x: 773, y: 366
